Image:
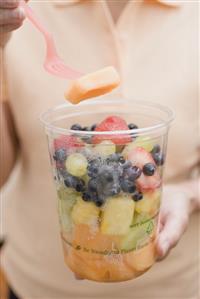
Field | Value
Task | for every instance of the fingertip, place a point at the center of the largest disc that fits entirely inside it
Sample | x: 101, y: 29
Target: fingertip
x: 21, y: 13
x: 78, y: 277
x: 162, y: 248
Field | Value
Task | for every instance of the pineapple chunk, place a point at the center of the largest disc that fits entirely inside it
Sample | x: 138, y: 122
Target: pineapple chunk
x: 149, y: 204
x: 85, y: 213
x: 117, y: 215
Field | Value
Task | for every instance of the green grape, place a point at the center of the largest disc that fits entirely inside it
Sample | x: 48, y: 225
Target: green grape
x: 105, y: 148
x: 76, y: 164
x: 145, y: 142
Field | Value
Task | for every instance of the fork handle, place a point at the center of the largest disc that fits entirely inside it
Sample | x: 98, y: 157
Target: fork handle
x: 34, y: 19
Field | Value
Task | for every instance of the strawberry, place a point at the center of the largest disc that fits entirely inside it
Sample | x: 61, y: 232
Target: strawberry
x: 139, y: 157
x: 67, y: 142
x: 112, y: 123
x: 149, y: 183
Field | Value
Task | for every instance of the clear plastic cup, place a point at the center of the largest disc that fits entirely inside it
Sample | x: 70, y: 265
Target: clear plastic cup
x: 108, y: 185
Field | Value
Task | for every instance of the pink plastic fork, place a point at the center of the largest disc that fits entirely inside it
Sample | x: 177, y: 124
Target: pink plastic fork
x: 53, y: 64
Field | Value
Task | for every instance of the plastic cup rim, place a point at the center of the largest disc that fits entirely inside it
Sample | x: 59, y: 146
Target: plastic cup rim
x: 140, y: 131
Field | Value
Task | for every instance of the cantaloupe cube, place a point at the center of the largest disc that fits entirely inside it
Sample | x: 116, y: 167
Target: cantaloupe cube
x: 143, y: 258
x: 92, y: 85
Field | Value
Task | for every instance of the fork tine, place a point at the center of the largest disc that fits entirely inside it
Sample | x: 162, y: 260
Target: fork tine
x: 63, y: 68
x: 51, y: 69
x: 62, y: 73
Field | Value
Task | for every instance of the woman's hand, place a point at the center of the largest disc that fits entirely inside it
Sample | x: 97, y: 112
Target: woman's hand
x: 11, y: 15
x: 179, y: 201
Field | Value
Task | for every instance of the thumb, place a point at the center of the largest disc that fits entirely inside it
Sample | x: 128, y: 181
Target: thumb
x: 172, y: 230
x: 78, y: 277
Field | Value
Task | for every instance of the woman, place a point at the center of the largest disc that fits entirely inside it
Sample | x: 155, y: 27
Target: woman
x: 153, y: 46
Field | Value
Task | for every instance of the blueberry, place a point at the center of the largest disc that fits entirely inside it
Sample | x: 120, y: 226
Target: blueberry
x: 108, y: 180
x: 132, y: 126
x: 91, y: 196
x: 92, y: 185
x: 63, y: 172
x: 137, y: 196
x: 156, y: 149
x: 93, y: 167
x: 93, y: 127
x: 86, y: 196
x: 116, y: 158
x: 79, y: 185
x: 127, y: 164
x: 113, y: 158
x: 128, y: 186
x: 87, y: 139
x: 133, y: 173
x: 122, y: 160
x: 108, y: 176
x: 76, y: 127
x: 115, y: 190
x: 60, y: 155
x: 158, y: 158
x: 108, y: 169
x: 93, y: 170
x: 99, y: 202
x: 69, y: 181
x: 88, y: 129
x: 110, y: 189
x: 94, y: 196
x: 95, y: 161
x: 149, y: 169
x: 60, y: 166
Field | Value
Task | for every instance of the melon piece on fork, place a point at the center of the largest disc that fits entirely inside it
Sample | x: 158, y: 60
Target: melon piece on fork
x: 92, y: 85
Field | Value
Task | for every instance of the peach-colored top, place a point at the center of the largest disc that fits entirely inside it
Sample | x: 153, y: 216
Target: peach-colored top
x: 154, y: 47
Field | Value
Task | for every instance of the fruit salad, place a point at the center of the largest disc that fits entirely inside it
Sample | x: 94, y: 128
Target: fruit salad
x: 109, y: 191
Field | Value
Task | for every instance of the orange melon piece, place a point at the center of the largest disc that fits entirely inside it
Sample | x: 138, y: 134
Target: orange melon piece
x: 92, y: 85
x: 142, y: 259
x: 105, y: 267
x: 92, y: 265
x: 84, y: 236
